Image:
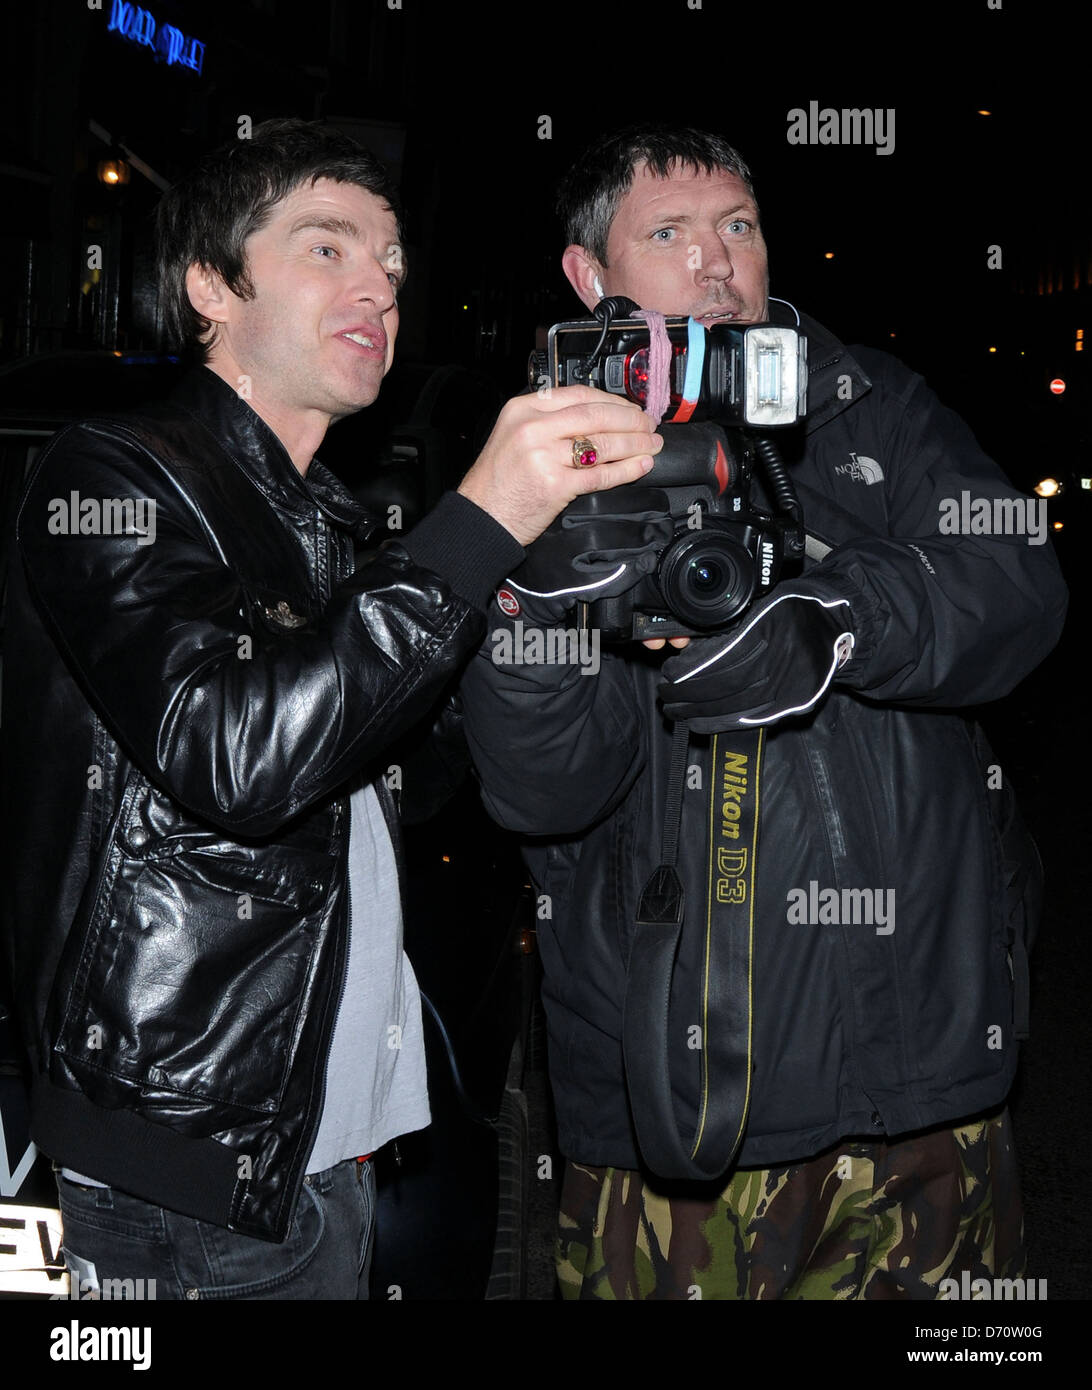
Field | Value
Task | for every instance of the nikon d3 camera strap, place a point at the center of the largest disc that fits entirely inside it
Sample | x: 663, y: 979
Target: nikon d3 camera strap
x: 715, y: 1023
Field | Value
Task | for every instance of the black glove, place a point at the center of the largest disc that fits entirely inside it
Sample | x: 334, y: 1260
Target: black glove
x: 595, y: 552
x: 778, y: 662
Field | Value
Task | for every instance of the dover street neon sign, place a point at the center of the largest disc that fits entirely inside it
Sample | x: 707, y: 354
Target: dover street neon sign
x: 166, y: 42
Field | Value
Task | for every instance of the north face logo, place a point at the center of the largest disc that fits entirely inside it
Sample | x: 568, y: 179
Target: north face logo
x: 861, y: 469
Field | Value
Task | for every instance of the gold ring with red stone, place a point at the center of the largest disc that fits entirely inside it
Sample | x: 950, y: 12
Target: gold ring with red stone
x: 584, y: 454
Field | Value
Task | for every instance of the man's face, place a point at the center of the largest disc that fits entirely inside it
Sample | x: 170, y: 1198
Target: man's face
x: 688, y: 244
x: 318, y: 336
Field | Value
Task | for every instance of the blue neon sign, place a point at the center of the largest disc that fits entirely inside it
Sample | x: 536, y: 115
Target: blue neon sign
x: 167, y: 43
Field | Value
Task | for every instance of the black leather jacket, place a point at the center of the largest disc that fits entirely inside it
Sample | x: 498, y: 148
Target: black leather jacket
x: 182, y: 717
x: 884, y: 786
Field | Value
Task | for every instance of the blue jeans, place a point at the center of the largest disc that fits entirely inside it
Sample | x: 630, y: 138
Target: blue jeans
x: 109, y: 1235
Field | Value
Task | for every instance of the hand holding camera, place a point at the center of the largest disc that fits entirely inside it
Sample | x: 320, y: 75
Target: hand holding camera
x: 538, y: 458
x: 779, y: 663
x: 579, y: 561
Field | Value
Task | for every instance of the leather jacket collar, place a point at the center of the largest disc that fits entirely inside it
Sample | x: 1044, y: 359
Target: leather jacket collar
x: 259, y: 453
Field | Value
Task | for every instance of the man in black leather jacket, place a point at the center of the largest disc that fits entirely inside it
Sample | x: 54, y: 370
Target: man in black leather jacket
x: 840, y: 1023
x: 201, y: 697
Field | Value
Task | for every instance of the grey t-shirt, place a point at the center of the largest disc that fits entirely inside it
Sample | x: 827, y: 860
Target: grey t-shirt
x: 376, y: 1086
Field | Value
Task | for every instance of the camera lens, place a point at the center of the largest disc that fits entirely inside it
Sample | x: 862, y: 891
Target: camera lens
x: 706, y: 578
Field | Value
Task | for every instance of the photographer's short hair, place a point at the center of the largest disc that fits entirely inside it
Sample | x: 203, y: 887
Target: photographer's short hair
x: 207, y: 216
x: 593, y: 188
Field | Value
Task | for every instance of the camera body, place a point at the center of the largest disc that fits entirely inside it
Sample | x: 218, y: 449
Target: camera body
x: 725, y: 384
x: 723, y: 555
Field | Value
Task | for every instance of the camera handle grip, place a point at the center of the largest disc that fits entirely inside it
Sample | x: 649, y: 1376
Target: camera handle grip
x: 695, y: 455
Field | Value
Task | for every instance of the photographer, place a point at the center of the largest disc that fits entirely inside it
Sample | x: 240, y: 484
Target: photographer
x: 780, y: 1077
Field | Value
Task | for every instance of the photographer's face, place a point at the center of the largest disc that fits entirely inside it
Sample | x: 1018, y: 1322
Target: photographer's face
x: 688, y: 244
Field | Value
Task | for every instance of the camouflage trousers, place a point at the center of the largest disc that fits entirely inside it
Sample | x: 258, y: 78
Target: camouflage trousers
x: 866, y: 1219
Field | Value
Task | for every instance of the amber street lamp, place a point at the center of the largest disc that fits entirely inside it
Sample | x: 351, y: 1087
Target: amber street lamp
x: 113, y: 171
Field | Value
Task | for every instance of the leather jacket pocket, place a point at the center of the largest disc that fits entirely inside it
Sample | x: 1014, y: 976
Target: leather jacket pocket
x: 191, y: 974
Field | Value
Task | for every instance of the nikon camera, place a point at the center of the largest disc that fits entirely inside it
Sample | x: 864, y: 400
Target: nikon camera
x: 727, y: 385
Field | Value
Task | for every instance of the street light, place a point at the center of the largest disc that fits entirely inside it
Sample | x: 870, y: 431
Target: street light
x: 113, y: 172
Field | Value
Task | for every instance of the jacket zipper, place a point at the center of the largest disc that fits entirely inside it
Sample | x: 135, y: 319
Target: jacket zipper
x: 344, y: 970
x: 821, y: 780
x: 343, y: 807
x: 394, y: 830
x: 388, y: 804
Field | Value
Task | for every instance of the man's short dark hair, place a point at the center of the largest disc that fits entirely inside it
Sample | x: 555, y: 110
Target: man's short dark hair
x: 208, y: 215
x: 593, y: 188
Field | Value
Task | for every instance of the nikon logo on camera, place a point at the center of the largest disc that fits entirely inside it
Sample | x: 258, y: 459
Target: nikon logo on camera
x: 766, y: 551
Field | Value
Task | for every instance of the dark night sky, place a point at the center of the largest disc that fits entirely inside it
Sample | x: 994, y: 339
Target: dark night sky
x: 459, y: 90
x: 910, y: 229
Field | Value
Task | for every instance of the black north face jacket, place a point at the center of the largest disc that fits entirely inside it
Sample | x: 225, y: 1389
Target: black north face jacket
x: 858, y: 1028
x: 184, y: 713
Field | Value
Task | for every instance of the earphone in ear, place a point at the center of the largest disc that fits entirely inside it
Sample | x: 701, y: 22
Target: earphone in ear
x: 598, y: 286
